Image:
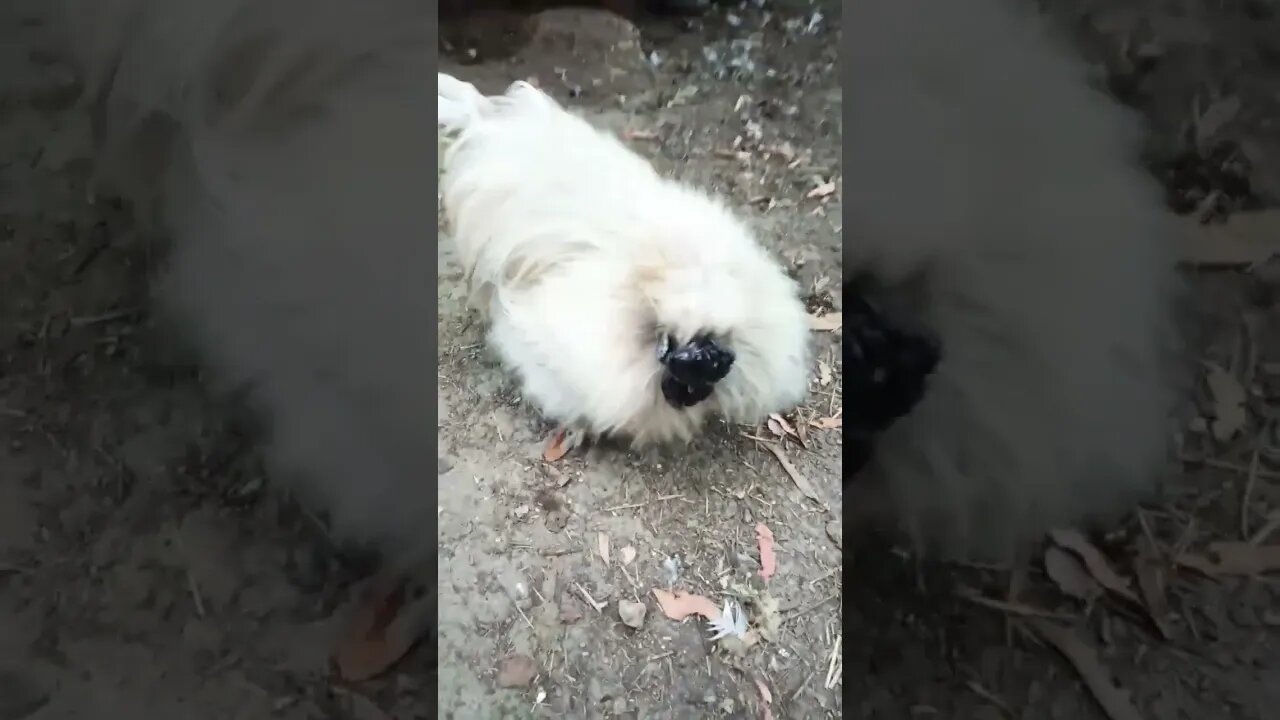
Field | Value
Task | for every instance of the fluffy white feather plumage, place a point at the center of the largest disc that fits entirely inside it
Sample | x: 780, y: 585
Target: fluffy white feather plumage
x: 287, y: 148
x: 581, y: 256
x: 1000, y: 196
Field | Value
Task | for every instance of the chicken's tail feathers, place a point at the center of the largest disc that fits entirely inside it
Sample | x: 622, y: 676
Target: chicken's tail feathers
x: 459, y: 103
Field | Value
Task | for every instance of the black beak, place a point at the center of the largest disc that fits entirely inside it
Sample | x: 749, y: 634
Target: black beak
x: 886, y: 367
x: 693, y: 369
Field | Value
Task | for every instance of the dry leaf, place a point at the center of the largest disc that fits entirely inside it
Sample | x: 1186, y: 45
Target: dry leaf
x: 556, y: 448
x: 826, y: 323
x: 779, y: 426
x: 1114, y: 700
x: 628, y: 554
x: 800, y: 480
x: 1230, y: 416
x: 1070, y: 575
x: 781, y: 423
x: 775, y: 427
x: 378, y: 636
x: 802, y: 435
x: 1152, y: 574
x: 768, y: 561
x: 1234, y: 558
x: 786, y: 426
x: 823, y: 190
x: 516, y: 671
x: 767, y: 697
x: 602, y: 546
x: 1245, y: 239
x: 828, y: 423
x: 835, y: 532
x: 679, y: 605
x: 1095, y: 562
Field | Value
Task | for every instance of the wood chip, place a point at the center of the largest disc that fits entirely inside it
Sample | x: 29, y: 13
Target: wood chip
x: 1114, y: 700
x: 1244, y: 240
x: 824, y: 190
x: 828, y: 423
x: 1225, y: 559
x: 826, y: 323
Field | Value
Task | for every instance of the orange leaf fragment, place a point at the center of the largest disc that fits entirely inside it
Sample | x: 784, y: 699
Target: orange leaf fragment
x: 556, y: 448
x: 768, y: 561
x: 679, y: 605
x: 375, y: 641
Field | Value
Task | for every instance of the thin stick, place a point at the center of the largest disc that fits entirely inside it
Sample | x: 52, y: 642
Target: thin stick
x: 592, y: 601
x: 631, y: 506
x: 833, y: 664
x: 1014, y: 608
x: 1251, y: 479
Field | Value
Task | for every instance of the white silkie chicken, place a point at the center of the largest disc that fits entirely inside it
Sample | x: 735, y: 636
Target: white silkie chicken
x: 997, y: 201
x: 285, y: 147
x: 628, y: 304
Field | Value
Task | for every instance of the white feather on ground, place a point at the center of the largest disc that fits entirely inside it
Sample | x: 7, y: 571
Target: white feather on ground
x: 579, y: 254
x: 992, y: 187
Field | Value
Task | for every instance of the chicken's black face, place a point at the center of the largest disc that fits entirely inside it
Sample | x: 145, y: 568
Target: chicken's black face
x: 692, y: 369
x: 885, y: 369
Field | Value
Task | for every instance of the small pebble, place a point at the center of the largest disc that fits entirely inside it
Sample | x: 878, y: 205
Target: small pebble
x: 632, y: 613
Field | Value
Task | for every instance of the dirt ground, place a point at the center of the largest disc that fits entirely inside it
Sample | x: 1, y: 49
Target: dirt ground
x: 147, y: 570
